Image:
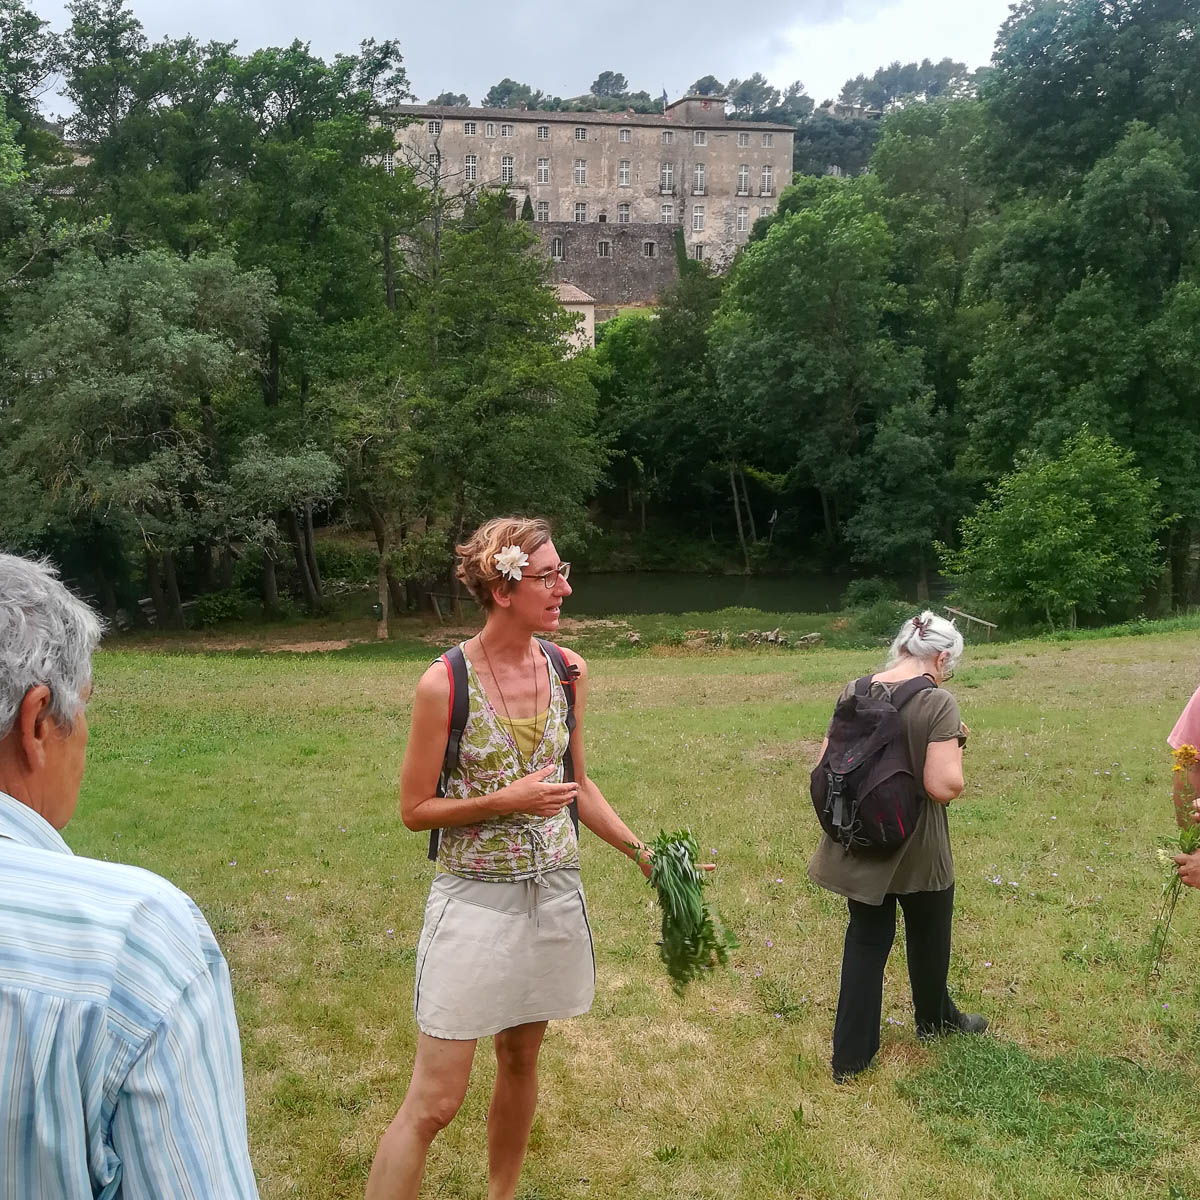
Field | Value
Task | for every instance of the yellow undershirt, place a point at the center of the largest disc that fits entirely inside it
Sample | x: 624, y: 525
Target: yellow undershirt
x: 526, y: 732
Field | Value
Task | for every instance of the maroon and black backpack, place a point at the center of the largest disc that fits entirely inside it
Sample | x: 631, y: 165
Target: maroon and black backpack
x: 863, y: 788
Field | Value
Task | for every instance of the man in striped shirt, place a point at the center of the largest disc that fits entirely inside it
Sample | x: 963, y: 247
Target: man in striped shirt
x: 120, y: 1067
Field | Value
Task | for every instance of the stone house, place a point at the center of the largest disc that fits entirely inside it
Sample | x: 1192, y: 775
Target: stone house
x: 689, y: 169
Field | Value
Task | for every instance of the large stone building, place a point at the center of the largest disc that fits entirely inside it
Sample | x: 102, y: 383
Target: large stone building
x: 610, y: 190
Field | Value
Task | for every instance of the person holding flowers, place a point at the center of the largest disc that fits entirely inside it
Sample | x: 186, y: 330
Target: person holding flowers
x: 1183, y: 740
x: 505, y: 946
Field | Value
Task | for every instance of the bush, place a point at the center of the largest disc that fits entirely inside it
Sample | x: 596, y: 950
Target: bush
x: 882, y: 619
x: 215, y: 607
x: 863, y: 593
x: 346, y: 561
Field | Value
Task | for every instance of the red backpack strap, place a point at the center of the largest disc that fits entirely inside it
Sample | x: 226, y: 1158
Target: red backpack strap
x: 457, y: 710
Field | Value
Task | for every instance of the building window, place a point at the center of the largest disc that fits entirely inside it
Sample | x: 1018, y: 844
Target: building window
x: 581, y: 133
x: 624, y: 135
x: 623, y: 173
x: 580, y: 211
x: 743, y: 220
x: 768, y: 139
x: 697, y: 218
x: 470, y: 164
x: 666, y: 214
x: 435, y: 160
x: 666, y: 177
x: 699, y: 138
x: 744, y: 180
x: 668, y: 136
x: 743, y: 139
x: 542, y: 211
x: 622, y: 214
x: 649, y: 249
x: 543, y: 133
x: 489, y: 130
x: 506, y: 131
x: 768, y: 178
x: 698, y: 180
x: 581, y: 171
x: 556, y: 249
x: 469, y: 128
x: 604, y: 249
x: 434, y: 127
x: 603, y: 218
x: 698, y: 251
x: 543, y: 170
x: 765, y: 210
x: 506, y: 169
x: 389, y: 162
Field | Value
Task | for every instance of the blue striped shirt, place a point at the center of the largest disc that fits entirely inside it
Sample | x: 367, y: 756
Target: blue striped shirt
x: 120, y: 1068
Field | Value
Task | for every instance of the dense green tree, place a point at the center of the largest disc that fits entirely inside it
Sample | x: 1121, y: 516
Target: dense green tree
x: 750, y: 96
x: 30, y: 56
x: 611, y: 84
x: 826, y: 144
x: 508, y: 93
x: 707, y: 85
x: 898, y: 83
x: 452, y: 100
x: 801, y: 338
x: 1063, y: 537
x: 1069, y: 76
x: 119, y: 369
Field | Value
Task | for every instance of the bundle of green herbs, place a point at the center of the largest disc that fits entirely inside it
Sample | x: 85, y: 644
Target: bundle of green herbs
x: 694, y: 941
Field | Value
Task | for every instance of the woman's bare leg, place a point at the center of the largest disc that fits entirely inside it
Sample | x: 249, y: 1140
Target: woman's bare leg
x: 514, y: 1098
x: 439, y: 1083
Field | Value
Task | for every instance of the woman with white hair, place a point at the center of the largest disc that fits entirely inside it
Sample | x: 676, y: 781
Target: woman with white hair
x: 919, y: 874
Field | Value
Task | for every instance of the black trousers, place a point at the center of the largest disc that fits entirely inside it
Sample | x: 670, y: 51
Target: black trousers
x: 869, y: 938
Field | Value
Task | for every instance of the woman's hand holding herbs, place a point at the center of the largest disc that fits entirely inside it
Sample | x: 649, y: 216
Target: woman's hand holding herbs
x: 644, y: 857
x: 534, y: 795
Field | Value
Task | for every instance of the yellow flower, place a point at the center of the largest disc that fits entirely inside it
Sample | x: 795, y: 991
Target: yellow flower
x: 1185, y: 756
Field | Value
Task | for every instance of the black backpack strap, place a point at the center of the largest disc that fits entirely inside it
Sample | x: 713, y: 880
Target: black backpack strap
x: 567, y: 673
x: 456, y: 721
x: 909, y: 688
x: 863, y: 686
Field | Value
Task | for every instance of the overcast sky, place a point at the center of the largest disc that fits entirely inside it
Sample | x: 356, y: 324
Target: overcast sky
x: 467, y: 45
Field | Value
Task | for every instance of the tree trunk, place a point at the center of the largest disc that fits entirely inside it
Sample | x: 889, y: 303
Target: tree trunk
x: 749, y: 510
x: 174, y: 600
x: 154, y: 585
x: 381, y: 588
x: 922, y: 581
x: 827, y: 513
x: 310, y: 549
x: 737, y: 513
x: 270, y: 585
x: 225, y: 572
x: 1049, y: 618
x: 397, y: 592
x: 108, y: 595
x: 311, y: 600
x: 389, y: 278
x: 271, y: 379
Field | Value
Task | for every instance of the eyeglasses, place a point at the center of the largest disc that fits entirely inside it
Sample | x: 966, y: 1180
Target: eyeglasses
x: 550, y: 578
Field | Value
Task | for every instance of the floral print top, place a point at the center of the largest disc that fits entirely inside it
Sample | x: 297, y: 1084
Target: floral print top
x: 516, y: 846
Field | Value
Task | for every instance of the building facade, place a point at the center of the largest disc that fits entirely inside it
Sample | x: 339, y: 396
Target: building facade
x: 688, y: 169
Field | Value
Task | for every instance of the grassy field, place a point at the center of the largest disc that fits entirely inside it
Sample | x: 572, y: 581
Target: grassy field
x: 265, y: 785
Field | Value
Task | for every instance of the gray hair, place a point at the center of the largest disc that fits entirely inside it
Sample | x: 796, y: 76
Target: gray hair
x: 47, y: 636
x: 927, y: 636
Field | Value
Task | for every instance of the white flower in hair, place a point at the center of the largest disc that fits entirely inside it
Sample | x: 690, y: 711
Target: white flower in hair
x: 509, y: 562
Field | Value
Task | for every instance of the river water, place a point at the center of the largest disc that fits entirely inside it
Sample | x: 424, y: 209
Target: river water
x: 604, y: 594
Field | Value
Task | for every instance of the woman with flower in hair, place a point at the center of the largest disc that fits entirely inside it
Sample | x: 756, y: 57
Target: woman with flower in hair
x: 919, y: 875
x: 505, y: 946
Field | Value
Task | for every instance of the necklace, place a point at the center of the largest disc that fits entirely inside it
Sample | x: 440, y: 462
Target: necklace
x: 521, y: 760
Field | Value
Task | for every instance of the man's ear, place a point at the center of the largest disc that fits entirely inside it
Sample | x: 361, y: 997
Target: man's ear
x: 33, y: 726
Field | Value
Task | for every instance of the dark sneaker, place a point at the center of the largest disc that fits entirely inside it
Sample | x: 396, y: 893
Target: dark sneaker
x: 960, y: 1023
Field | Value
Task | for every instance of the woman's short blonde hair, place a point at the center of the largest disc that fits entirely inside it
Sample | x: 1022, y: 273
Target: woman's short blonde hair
x: 477, y: 555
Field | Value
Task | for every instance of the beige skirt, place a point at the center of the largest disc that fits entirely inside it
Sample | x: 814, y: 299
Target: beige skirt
x: 495, y: 955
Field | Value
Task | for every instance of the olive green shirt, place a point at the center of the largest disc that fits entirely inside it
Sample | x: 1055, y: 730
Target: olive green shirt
x: 923, y: 862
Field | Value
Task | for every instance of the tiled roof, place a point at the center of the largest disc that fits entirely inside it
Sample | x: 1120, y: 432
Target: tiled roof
x: 568, y: 293
x: 539, y: 116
